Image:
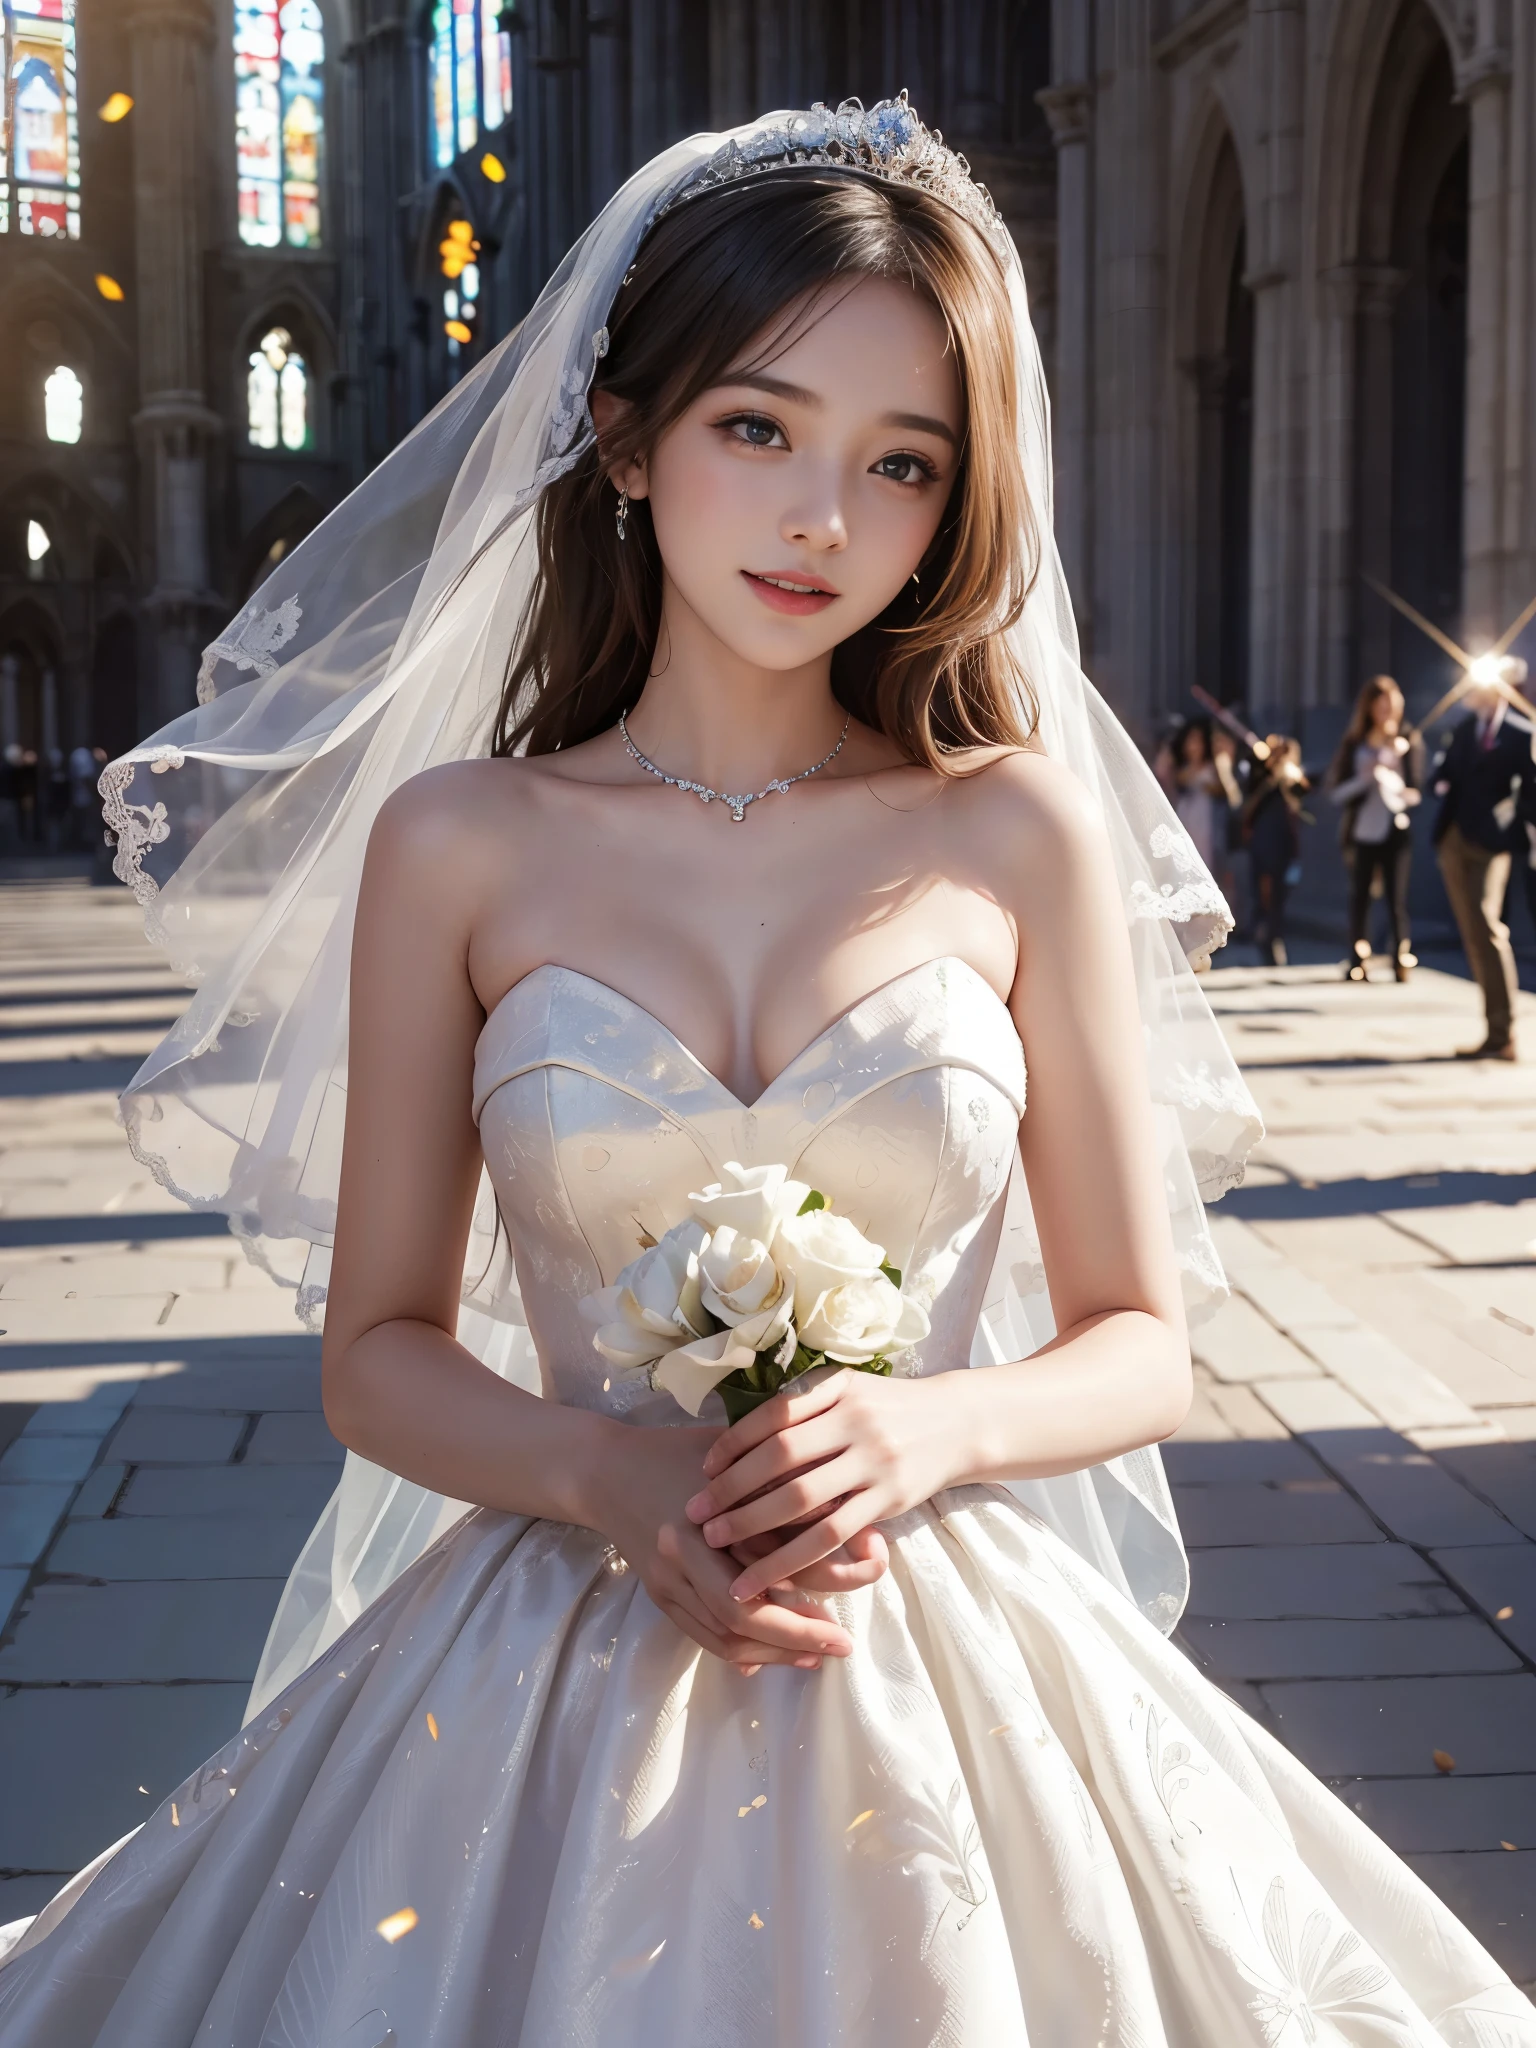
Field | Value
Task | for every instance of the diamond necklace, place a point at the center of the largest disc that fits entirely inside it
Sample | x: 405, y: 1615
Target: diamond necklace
x: 706, y: 795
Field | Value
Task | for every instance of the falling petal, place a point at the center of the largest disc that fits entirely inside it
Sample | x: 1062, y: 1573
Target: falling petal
x: 742, y: 1812
x: 175, y: 1816
x: 1505, y: 1614
x: 1506, y: 1845
x: 1001, y: 1728
x: 393, y: 1925
x: 432, y: 1726
x: 761, y: 1799
x: 754, y: 1922
x: 1444, y: 1761
x: 144, y: 1789
x: 859, y: 1820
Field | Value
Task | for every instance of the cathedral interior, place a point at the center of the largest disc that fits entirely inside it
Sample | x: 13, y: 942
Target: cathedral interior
x: 1277, y: 254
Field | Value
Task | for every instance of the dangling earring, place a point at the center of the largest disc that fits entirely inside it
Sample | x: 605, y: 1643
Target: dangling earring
x: 621, y: 517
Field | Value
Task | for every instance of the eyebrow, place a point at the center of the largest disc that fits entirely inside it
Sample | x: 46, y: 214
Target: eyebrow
x: 796, y: 394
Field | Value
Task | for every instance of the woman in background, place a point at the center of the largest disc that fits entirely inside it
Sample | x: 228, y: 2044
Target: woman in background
x: 1376, y: 776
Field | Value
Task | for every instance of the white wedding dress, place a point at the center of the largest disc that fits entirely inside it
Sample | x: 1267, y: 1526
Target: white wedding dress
x: 1015, y: 1814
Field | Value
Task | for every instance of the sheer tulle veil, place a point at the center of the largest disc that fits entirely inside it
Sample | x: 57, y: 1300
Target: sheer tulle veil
x: 377, y: 649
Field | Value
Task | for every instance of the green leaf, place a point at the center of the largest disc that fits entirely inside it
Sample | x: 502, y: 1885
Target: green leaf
x: 805, y: 1361
x: 893, y: 1274
x: 813, y: 1200
x: 740, y: 1400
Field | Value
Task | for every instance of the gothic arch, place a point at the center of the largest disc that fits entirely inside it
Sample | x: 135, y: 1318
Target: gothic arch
x: 1370, y: 66
x: 276, y: 534
x: 293, y: 307
x: 1213, y: 339
x: 45, y: 322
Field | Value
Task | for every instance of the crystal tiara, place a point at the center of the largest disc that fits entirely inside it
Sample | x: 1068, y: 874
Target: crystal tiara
x: 888, y: 141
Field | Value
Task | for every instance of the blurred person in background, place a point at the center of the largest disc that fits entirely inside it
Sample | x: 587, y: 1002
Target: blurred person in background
x: 1271, y: 831
x: 1377, y: 778
x: 1486, y: 782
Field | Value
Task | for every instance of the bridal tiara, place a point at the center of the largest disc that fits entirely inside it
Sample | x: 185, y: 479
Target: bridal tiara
x: 887, y: 141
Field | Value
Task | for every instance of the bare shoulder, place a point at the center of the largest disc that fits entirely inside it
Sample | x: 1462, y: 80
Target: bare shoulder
x: 1028, y: 816
x: 452, y: 828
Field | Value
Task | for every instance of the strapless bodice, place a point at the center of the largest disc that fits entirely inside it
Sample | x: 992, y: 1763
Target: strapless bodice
x: 597, y: 1123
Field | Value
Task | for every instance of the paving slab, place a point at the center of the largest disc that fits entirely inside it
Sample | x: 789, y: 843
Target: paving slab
x: 169, y: 1436
x: 1382, y: 1375
x: 1503, y: 1474
x: 280, y: 1490
x: 101, y: 1491
x: 72, y: 1759
x: 1292, y: 1301
x: 1240, y: 1345
x: 1308, y: 1511
x: 48, y: 1458
x: 1502, y: 1582
x: 1346, y: 1649
x: 1419, y: 1815
x: 92, y: 1416
x: 178, y: 1548
x: 164, y: 1633
x: 1329, y: 1581
x: 28, y: 1517
x: 1414, y: 1496
x: 1495, y: 1894
x: 300, y: 1439
x: 1391, y: 1727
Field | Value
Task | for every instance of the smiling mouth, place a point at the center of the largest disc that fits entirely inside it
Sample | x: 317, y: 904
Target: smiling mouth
x: 790, y: 593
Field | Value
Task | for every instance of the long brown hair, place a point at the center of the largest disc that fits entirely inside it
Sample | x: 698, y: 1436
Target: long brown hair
x: 1360, y: 722
x: 733, y: 277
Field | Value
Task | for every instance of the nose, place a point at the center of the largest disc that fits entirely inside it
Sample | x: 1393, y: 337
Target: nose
x: 815, y: 519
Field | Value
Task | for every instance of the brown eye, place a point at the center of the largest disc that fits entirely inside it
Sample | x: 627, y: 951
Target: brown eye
x: 904, y: 469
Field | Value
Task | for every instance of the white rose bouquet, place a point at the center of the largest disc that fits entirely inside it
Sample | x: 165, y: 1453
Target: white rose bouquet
x: 761, y: 1282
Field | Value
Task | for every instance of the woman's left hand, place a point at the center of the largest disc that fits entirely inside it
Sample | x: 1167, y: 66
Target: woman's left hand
x: 838, y: 1455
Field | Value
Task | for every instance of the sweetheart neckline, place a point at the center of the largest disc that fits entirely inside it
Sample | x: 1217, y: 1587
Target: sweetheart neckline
x: 708, y: 1074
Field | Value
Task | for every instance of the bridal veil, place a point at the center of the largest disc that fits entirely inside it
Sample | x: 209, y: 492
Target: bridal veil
x: 377, y: 649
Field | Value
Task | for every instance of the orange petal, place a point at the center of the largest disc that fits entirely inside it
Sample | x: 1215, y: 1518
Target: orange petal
x: 393, y: 1925
x: 1444, y: 1761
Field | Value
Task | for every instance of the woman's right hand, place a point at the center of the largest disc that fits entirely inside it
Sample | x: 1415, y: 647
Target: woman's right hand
x: 641, y: 1483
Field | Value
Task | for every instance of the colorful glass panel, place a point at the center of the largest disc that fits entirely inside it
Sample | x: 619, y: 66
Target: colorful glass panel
x: 279, y: 121
x: 471, y: 76
x: 40, y: 122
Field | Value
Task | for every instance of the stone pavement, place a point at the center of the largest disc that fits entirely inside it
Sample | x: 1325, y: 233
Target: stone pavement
x: 1356, y: 1480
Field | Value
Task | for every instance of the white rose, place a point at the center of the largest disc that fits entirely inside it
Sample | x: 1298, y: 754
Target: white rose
x: 752, y: 1199
x: 693, y: 1371
x: 821, y: 1251
x: 741, y: 1286
x: 863, y: 1319
x: 654, y: 1304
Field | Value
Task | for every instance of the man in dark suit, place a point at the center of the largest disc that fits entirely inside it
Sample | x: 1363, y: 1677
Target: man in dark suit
x: 1486, y: 782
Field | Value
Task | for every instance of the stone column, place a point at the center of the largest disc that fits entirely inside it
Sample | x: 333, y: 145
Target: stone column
x: 381, y: 71
x: 732, y: 73
x: 1277, y: 564
x: 1068, y: 107
x: 1130, y: 429
x: 1498, y: 320
x: 174, y: 427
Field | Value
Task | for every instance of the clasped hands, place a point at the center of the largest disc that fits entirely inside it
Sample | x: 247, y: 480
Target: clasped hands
x: 787, y: 1512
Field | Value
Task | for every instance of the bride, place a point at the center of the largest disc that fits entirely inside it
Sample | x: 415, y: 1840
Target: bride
x: 632, y: 857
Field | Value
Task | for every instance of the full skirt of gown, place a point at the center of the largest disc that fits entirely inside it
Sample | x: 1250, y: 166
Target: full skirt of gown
x: 1014, y: 1815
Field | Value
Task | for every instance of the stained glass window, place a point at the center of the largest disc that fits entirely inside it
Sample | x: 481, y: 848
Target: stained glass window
x: 63, y: 405
x: 279, y: 120
x: 277, y: 394
x: 39, y: 121
x: 471, y: 75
